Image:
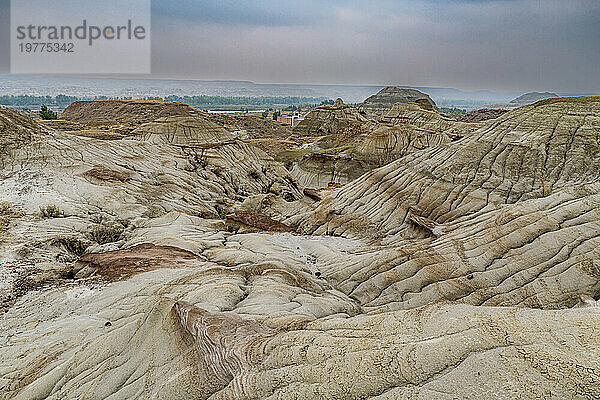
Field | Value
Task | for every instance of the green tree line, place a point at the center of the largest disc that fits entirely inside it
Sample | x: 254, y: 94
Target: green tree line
x: 27, y: 100
x: 194, y: 101
x: 241, y: 100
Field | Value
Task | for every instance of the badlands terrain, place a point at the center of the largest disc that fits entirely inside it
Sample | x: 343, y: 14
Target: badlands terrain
x: 149, y: 250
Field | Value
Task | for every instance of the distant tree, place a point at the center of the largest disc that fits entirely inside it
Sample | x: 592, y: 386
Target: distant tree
x: 46, y: 113
x: 61, y: 99
x: 265, y: 114
x: 452, y: 110
x: 242, y: 103
x: 276, y: 115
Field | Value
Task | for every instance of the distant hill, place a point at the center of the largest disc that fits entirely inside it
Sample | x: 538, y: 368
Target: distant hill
x: 531, y: 97
x: 89, y: 87
x: 92, y: 87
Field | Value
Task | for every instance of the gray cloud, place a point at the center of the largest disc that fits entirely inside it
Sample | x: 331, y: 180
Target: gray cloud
x: 241, y: 12
x: 4, y: 36
x: 495, y: 44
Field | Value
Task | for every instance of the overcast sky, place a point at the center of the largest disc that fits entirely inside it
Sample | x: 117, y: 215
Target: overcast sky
x: 468, y: 44
x: 507, y: 45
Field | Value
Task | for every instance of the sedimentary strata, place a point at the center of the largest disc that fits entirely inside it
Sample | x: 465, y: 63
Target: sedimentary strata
x: 181, y: 262
x: 125, y: 111
x: 382, y: 102
x: 352, y: 146
x: 330, y: 119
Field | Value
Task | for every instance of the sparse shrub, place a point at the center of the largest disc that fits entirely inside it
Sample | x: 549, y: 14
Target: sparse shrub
x: 288, y: 196
x: 453, y: 110
x: 5, y: 209
x: 218, y: 171
x: 327, y: 103
x: 72, y: 245
x: 225, y: 202
x: 221, y: 212
x: 254, y: 174
x: 47, y: 114
x: 97, y: 219
x: 50, y: 211
x: 592, y: 150
x: 103, y: 234
x: 24, y: 251
x: 8, y: 212
x: 4, y: 221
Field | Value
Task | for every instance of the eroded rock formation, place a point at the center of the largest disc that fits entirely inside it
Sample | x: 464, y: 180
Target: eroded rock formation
x: 382, y: 102
x: 181, y: 262
x: 125, y: 111
x: 482, y: 114
x: 356, y: 145
x: 528, y: 153
x: 330, y: 119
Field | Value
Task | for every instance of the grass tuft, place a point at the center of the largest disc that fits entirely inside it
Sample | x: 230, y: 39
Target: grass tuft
x: 50, y: 211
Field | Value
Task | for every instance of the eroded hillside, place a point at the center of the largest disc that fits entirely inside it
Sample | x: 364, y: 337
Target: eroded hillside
x: 457, y: 259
